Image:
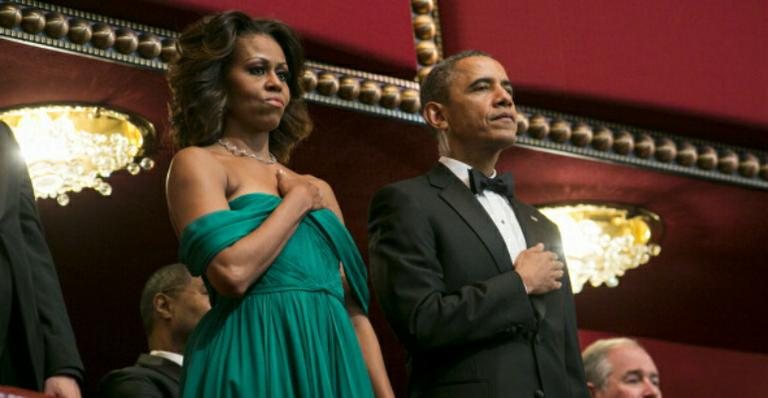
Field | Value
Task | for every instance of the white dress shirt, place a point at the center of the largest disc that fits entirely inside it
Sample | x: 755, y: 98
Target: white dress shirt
x: 171, y: 356
x: 497, y: 206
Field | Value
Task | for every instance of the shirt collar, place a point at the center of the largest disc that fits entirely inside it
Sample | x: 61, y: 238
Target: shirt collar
x: 459, y: 168
x: 171, y: 356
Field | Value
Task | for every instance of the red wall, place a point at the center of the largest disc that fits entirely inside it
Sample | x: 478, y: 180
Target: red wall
x: 706, y: 57
x: 701, y: 56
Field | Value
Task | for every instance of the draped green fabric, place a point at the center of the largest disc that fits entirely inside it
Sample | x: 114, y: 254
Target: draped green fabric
x: 290, y: 334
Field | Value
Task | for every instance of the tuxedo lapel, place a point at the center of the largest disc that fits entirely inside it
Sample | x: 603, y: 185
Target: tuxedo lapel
x: 533, y: 233
x: 533, y: 225
x: 9, y: 196
x: 460, y: 198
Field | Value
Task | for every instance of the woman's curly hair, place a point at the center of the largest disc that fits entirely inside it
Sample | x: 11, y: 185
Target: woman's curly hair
x: 198, y: 81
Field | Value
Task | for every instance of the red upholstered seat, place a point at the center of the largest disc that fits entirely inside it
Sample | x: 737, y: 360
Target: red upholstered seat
x: 15, y: 392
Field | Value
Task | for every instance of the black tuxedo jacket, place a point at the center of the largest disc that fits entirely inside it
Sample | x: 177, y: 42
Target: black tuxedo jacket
x: 151, y: 377
x: 48, y: 346
x: 446, y: 283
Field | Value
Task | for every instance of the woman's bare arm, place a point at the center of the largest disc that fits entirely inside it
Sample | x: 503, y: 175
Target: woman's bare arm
x: 366, y: 336
x: 197, y: 185
x: 369, y: 345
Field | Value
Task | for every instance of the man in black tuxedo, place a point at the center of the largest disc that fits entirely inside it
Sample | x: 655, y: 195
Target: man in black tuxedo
x: 471, y: 279
x: 172, y: 304
x: 37, y: 346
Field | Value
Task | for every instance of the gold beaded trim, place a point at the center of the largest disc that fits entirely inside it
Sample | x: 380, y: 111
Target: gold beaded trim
x: 79, y: 32
x: 361, y: 91
x: 573, y: 135
x: 426, y: 31
x: 106, y: 38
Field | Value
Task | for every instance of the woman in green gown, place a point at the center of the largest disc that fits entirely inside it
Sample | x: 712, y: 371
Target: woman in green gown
x: 287, y: 284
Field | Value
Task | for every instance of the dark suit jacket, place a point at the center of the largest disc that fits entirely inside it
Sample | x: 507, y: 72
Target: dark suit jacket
x: 24, y: 254
x: 152, y: 377
x: 446, y: 283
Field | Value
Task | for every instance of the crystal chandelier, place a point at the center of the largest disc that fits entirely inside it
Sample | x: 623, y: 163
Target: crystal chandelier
x: 71, y: 147
x: 602, y: 242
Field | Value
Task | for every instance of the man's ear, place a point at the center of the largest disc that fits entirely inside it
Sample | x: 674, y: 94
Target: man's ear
x: 163, y: 306
x: 592, y: 389
x: 434, y: 115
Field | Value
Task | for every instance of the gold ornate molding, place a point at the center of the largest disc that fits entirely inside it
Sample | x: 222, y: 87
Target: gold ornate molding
x: 362, y: 91
x: 109, y: 39
x: 427, y: 38
x: 88, y: 34
x: 612, y: 142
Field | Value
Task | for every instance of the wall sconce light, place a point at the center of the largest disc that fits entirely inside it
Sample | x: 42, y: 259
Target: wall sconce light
x: 601, y: 242
x: 71, y: 147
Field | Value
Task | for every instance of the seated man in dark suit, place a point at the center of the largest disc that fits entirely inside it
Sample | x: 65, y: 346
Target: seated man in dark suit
x: 472, y: 280
x: 172, y: 304
x: 37, y: 346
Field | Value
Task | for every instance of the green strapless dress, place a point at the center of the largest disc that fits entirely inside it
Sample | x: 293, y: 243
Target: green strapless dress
x: 290, y: 334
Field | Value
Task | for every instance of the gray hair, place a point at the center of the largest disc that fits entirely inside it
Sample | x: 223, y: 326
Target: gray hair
x: 168, y: 280
x: 596, y: 366
x: 434, y: 87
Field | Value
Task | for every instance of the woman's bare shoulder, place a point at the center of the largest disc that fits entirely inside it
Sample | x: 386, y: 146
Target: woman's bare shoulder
x: 195, y: 160
x: 196, y: 172
x: 196, y: 185
x: 194, y: 153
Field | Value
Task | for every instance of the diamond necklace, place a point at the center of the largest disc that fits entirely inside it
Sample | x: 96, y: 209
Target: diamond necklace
x: 246, y: 153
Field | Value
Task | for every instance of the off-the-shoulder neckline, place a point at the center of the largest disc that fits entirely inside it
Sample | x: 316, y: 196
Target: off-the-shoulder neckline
x: 254, y: 193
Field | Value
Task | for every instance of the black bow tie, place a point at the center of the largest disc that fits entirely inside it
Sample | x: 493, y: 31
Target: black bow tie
x: 501, y: 184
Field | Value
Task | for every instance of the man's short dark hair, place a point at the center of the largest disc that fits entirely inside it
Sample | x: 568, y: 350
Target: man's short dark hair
x: 434, y: 88
x: 168, y: 280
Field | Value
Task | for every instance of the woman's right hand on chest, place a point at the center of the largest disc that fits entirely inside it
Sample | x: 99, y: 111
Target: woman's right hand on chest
x: 304, y: 188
